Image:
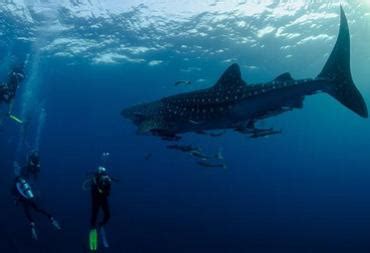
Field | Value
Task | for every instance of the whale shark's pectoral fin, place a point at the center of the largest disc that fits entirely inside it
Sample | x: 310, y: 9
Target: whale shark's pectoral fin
x: 157, y: 128
x: 146, y: 126
x: 245, y: 127
x: 165, y: 134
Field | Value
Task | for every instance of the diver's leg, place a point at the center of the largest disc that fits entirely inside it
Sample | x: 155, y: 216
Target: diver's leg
x: 26, y: 208
x: 42, y: 211
x: 106, y: 211
x: 54, y: 222
x: 94, y: 212
x: 106, y: 217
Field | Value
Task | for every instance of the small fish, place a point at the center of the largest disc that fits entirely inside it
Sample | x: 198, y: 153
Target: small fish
x: 182, y: 82
x: 196, y: 123
x: 211, y: 134
x: 204, y: 157
x: 184, y: 148
x: 211, y: 165
x: 265, y: 133
x: 199, y: 154
x: 219, y: 154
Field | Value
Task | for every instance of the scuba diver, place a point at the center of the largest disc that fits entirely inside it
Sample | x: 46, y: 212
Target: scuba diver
x: 32, y: 168
x: 100, y: 188
x: 24, y: 196
x: 9, y: 89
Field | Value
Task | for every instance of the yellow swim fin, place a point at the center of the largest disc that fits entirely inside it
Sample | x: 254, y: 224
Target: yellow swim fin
x: 11, y: 116
x: 16, y: 119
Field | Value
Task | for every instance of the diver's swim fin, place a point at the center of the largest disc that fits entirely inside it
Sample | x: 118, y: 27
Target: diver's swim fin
x: 93, y: 240
x: 34, y: 232
x: 55, y: 223
x: 11, y: 116
x: 103, y: 237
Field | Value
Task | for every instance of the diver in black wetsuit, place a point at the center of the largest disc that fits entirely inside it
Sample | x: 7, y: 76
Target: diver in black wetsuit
x: 24, y: 196
x: 8, y: 89
x: 100, y: 190
x: 32, y: 168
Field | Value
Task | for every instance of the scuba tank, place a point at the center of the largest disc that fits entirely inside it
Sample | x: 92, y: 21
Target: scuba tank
x: 24, y: 188
x: 102, y: 179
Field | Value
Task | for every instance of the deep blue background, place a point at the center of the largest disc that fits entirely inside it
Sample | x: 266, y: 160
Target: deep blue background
x: 306, y: 190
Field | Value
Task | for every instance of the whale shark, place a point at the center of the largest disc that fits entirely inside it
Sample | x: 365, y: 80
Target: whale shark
x: 232, y: 103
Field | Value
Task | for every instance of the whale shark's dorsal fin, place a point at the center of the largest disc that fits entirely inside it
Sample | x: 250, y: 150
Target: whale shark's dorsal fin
x: 230, y: 78
x: 284, y: 77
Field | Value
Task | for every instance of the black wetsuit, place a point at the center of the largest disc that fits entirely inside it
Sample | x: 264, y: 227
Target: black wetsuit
x: 8, y: 90
x: 100, y: 191
x: 5, y: 95
x: 28, y: 204
x: 32, y: 169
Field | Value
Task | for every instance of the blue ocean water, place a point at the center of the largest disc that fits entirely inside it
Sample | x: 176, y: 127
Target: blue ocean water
x: 306, y: 190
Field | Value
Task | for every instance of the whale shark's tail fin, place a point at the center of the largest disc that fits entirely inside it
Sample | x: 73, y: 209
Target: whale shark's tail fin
x: 338, y: 70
